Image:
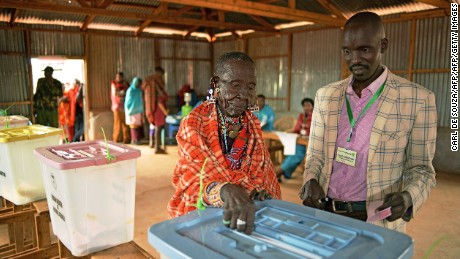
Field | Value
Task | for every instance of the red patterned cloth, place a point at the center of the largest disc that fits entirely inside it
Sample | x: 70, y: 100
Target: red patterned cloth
x: 198, y: 138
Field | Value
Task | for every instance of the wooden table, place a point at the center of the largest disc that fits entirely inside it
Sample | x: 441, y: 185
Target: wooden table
x: 272, y: 136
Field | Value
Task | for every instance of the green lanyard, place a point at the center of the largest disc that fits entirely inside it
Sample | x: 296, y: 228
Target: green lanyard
x: 368, y: 105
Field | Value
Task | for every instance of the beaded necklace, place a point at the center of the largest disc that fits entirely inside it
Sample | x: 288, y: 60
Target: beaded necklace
x: 229, y: 125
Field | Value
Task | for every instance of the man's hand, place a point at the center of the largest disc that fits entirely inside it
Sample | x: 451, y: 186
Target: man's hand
x: 238, y: 208
x: 312, y: 194
x: 399, y: 202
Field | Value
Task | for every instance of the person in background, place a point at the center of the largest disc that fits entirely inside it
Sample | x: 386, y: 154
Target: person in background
x: 302, y: 127
x: 373, y: 135
x: 223, y: 136
x: 266, y: 115
x: 134, y: 109
x: 155, y: 104
x: 47, y: 97
x: 67, y: 111
x: 79, y: 115
x: 117, y: 93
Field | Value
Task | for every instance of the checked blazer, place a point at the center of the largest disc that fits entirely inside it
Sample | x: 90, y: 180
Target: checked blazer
x: 402, y: 142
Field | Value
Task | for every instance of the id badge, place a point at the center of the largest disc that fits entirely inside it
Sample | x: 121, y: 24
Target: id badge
x: 346, y: 156
x: 303, y: 132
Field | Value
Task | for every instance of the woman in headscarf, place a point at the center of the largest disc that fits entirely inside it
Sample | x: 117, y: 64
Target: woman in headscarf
x: 134, y: 109
x: 223, y: 132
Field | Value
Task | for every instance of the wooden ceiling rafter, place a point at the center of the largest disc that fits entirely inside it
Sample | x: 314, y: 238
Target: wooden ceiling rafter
x: 182, y: 11
x: 438, y: 3
x: 291, y: 4
x: 265, y: 10
x: 83, y: 3
x: 128, y: 15
x: 106, y: 3
x: 161, y: 10
x: 237, y: 36
x: 220, y: 16
x: 88, y: 20
x: 14, y: 15
x: 269, y: 1
x: 262, y: 21
x: 190, y: 31
x: 331, y: 8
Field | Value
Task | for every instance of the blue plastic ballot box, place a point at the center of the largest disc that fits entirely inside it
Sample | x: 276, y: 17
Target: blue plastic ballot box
x: 282, y: 230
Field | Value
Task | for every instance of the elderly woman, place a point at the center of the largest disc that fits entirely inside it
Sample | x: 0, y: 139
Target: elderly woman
x: 224, y: 131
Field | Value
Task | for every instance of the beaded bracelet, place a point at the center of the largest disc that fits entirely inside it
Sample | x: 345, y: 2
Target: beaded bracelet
x: 211, y: 195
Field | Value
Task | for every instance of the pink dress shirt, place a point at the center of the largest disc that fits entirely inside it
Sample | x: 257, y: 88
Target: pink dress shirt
x: 348, y: 183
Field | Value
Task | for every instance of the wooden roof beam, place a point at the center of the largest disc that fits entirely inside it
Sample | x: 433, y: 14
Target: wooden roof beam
x: 417, y: 15
x: 13, y: 17
x: 128, y: 15
x: 87, y: 21
x: 161, y: 10
x: 291, y: 4
x: 237, y: 36
x: 266, y: 10
x: 331, y: 8
x: 262, y: 21
x: 83, y: 3
x: 183, y: 10
x: 193, y: 29
x: 438, y: 3
x: 221, y: 15
x: 106, y: 3
x: 211, y: 34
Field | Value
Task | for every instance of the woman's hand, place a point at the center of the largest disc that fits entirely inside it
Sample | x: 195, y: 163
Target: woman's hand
x: 239, y: 209
x: 259, y: 196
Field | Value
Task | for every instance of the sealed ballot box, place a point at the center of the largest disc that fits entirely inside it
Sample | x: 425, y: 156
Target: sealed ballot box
x: 282, y: 230
x: 13, y: 121
x: 20, y: 175
x: 90, y: 188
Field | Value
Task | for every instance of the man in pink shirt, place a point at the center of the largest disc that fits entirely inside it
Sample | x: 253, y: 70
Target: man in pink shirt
x: 372, y: 135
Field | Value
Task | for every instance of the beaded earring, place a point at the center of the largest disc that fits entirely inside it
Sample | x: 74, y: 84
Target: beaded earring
x: 213, y: 90
x: 253, y: 108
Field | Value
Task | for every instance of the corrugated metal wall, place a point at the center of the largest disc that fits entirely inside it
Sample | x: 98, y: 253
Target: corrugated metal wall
x: 185, y: 62
x: 108, y: 55
x: 271, y: 57
x: 396, y: 57
x: 316, y: 62
x: 432, y: 51
x: 14, y: 83
x: 56, y: 43
x: 221, y: 47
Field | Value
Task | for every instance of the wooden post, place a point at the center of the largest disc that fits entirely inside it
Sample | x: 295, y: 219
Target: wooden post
x: 289, y: 72
x: 410, y: 67
x: 211, y: 54
x: 29, y: 73
x: 86, y: 103
x: 156, y: 58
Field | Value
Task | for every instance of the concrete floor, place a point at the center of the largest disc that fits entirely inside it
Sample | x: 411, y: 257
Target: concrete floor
x: 437, y: 224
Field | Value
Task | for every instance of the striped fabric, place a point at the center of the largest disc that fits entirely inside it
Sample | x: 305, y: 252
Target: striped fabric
x: 198, y: 139
x: 402, y: 142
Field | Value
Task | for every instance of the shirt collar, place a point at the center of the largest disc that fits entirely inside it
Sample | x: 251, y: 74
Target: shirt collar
x: 374, y: 86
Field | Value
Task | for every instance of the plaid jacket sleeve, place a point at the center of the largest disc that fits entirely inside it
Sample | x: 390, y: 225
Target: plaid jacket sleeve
x: 418, y: 172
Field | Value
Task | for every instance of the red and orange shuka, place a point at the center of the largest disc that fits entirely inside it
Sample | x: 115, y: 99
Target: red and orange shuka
x: 198, y: 138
